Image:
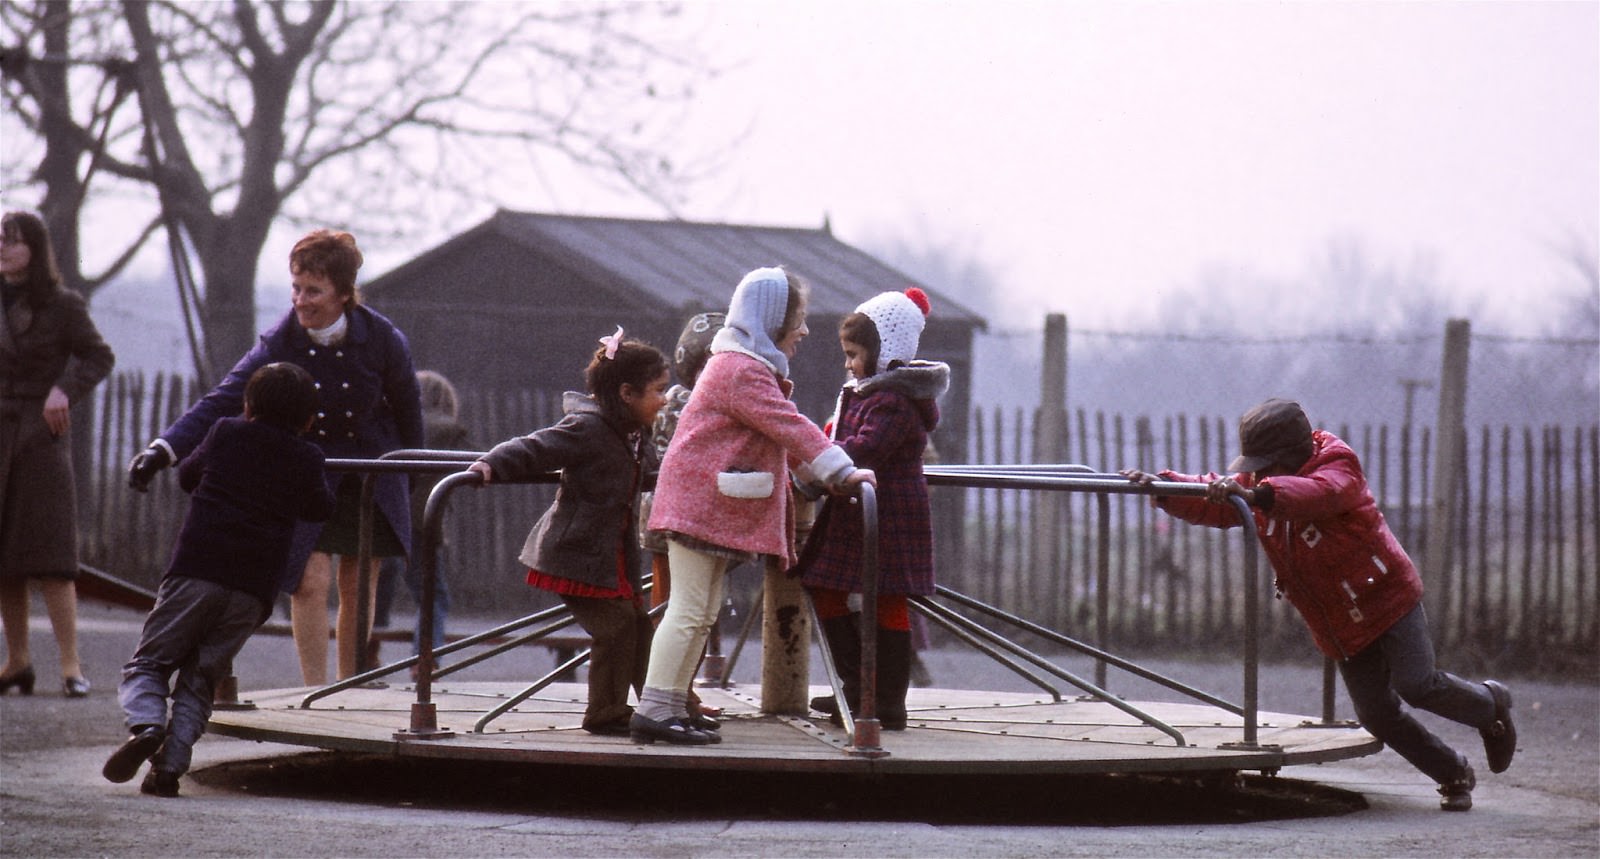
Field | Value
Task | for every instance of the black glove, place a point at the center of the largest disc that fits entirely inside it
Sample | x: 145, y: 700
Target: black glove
x: 145, y: 465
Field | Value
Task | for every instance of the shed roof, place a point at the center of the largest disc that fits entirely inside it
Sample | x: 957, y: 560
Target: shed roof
x: 689, y: 264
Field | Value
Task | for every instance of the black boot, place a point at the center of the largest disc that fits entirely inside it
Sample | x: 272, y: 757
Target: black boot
x: 843, y: 637
x: 894, y: 676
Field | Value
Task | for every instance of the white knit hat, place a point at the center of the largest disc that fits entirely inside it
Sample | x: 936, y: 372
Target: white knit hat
x: 899, y: 318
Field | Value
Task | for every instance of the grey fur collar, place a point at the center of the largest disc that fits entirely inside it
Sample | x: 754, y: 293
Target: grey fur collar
x: 919, y: 380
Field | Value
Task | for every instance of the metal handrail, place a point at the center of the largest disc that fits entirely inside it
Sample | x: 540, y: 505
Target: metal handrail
x: 864, y: 727
x: 1078, y: 478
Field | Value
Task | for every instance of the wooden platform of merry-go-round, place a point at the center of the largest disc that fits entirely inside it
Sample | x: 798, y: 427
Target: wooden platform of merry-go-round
x: 949, y: 731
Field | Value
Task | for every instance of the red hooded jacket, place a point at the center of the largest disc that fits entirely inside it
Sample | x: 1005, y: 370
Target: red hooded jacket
x: 1336, y: 560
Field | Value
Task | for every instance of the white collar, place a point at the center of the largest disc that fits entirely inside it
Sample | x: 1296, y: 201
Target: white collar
x: 331, y: 334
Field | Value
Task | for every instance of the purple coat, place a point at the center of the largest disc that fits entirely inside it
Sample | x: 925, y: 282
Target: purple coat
x: 370, y: 405
x: 883, y: 423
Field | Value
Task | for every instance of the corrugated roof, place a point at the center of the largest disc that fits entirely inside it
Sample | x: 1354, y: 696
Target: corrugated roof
x: 684, y: 263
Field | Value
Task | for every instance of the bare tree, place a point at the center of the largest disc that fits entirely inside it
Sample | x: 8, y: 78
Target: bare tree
x: 211, y: 122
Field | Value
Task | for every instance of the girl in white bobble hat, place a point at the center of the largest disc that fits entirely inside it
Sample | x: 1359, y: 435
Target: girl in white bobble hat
x: 886, y: 410
x: 723, y: 495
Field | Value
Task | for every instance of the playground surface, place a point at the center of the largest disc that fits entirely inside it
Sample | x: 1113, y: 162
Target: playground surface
x: 271, y: 798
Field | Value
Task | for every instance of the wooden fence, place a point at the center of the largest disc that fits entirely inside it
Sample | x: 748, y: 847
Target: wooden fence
x: 1522, y: 584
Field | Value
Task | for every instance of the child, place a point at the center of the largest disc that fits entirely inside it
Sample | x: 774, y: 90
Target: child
x: 723, y: 495
x: 582, y: 549
x: 688, y: 359
x: 251, y: 479
x: 1338, y: 563
x: 441, y: 430
x: 885, y: 413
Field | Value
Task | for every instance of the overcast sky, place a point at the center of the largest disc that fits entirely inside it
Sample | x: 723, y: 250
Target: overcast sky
x: 1102, y: 155
x: 1100, y: 158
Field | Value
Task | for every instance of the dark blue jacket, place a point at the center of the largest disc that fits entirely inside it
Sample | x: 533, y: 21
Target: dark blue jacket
x: 250, y: 483
x: 370, y: 405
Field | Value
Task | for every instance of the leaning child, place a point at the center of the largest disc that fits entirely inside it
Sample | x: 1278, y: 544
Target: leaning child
x: 251, y: 479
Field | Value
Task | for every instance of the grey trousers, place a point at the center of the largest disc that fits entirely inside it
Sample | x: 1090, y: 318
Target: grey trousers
x: 194, y: 631
x: 1399, y: 667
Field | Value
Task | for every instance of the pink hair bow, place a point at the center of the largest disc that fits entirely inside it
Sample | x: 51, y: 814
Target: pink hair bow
x: 611, y: 343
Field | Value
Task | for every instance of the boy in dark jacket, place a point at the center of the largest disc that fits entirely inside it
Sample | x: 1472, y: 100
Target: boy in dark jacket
x: 1359, y: 593
x: 251, y: 479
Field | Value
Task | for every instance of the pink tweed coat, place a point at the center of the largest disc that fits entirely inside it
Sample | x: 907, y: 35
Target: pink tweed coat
x: 724, y: 478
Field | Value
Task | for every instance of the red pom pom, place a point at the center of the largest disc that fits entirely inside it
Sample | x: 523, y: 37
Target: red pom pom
x: 920, y: 299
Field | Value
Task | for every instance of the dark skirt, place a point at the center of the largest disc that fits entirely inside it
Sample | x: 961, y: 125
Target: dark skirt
x: 341, y: 534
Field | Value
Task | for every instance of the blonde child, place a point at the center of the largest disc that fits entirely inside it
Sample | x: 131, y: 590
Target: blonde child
x: 886, y: 410
x: 582, y: 549
x: 723, y: 495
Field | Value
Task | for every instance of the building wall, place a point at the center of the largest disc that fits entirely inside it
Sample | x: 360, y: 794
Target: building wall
x: 492, y: 315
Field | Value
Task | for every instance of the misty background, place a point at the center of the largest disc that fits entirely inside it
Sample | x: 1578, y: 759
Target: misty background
x: 1227, y: 201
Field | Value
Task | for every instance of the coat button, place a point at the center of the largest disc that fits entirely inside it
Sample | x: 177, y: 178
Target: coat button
x: 346, y: 386
x: 311, y: 351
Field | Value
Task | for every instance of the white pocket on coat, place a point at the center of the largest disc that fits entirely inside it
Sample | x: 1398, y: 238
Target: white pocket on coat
x: 745, y: 484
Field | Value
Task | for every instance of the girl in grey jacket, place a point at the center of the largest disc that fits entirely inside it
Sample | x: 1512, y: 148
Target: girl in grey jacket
x: 583, y: 548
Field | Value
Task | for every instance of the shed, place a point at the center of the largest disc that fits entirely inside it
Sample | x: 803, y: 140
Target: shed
x: 520, y: 300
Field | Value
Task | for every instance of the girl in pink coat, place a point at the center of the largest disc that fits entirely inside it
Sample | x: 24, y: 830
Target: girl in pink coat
x: 723, y: 493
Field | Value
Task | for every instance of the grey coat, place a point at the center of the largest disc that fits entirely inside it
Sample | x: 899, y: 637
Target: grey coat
x: 55, y: 345
x: 603, y: 466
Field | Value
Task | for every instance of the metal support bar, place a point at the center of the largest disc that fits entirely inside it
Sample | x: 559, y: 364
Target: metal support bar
x: 946, y: 615
x: 866, y: 738
x: 539, y: 685
x: 1087, y: 649
x: 750, y: 619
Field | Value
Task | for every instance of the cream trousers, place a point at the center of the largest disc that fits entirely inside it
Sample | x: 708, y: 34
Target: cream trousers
x: 697, y: 587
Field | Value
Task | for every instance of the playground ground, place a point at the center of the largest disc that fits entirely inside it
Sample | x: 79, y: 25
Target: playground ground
x: 247, y: 798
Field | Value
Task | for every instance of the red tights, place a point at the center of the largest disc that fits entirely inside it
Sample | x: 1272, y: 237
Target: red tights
x: 893, y: 610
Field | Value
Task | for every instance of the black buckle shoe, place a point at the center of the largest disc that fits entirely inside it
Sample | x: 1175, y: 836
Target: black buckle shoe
x: 642, y: 729
x: 1500, y: 738
x: 1457, y: 795
x: 125, y: 761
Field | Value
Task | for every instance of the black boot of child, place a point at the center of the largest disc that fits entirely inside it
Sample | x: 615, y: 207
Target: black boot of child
x: 894, y: 676
x: 843, y: 636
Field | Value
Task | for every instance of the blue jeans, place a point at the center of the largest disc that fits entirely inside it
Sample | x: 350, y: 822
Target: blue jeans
x: 194, y: 631
x: 1399, y: 667
x: 390, y: 569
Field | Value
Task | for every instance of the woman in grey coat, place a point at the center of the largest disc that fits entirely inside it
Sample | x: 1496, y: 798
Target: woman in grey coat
x: 51, y: 356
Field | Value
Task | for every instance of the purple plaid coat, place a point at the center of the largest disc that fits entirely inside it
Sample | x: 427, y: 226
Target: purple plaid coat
x: 883, y: 423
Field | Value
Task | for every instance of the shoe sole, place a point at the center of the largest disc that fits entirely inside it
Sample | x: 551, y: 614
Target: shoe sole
x: 644, y: 738
x: 124, y: 763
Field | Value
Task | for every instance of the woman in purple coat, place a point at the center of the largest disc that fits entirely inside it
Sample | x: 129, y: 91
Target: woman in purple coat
x: 370, y: 405
x: 886, y: 410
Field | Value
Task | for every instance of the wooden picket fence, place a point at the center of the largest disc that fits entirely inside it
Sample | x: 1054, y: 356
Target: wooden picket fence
x: 1522, y: 584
